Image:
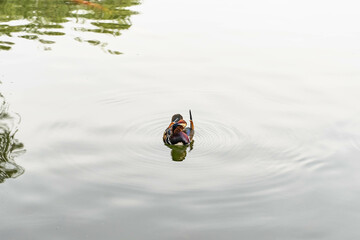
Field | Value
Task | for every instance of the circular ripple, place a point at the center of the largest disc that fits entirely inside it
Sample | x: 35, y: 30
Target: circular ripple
x: 228, y: 153
x: 214, y: 142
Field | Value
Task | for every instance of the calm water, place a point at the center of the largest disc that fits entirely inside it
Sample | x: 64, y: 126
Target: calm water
x: 87, y: 91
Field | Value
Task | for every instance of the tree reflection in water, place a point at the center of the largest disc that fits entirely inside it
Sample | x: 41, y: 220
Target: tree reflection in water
x: 47, y: 20
x: 9, y: 146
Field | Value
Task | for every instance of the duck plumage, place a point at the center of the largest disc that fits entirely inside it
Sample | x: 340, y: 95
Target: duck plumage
x: 177, y: 133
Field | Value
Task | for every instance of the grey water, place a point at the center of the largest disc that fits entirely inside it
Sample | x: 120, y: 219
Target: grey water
x: 88, y: 89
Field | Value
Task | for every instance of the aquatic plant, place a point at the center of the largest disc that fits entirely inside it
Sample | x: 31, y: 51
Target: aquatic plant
x: 10, y: 147
x: 40, y: 20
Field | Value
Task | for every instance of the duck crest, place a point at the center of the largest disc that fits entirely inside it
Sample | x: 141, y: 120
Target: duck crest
x: 177, y: 133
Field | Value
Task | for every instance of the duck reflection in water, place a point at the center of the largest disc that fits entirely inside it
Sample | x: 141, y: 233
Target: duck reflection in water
x: 9, y: 146
x: 178, y: 153
x: 178, y: 137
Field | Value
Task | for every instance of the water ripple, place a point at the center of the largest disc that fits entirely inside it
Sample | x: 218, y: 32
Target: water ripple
x: 352, y: 131
x: 212, y: 138
x: 122, y: 143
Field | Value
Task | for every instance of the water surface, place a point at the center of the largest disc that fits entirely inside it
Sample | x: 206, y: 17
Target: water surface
x: 273, y: 88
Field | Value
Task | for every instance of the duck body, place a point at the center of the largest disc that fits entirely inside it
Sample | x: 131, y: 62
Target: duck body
x: 177, y: 133
x: 178, y: 139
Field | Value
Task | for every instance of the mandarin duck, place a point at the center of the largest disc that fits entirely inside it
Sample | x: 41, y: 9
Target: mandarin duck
x: 177, y: 133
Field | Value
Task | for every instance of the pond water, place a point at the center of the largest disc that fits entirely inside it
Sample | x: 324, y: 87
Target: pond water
x: 87, y: 90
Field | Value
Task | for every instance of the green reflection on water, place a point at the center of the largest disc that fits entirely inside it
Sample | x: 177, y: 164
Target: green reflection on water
x: 178, y: 153
x: 44, y: 20
x: 10, y: 147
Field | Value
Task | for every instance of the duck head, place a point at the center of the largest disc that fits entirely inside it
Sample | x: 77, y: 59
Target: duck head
x: 176, y: 117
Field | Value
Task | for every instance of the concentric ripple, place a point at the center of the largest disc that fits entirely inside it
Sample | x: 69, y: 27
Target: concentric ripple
x: 117, y: 137
x: 213, y: 141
